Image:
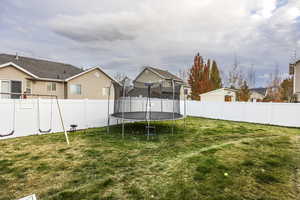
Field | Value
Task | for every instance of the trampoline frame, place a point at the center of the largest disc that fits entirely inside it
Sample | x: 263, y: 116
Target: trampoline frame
x: 147, y: 120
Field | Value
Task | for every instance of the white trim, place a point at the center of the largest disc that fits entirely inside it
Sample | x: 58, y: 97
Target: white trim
x: 91, y: 69
x: 18, y: 67
x: 48, y: 79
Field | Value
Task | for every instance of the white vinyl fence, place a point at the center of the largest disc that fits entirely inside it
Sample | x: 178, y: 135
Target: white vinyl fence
x: 282, y: 114
x: 93, y: 113
x: 84, y: 113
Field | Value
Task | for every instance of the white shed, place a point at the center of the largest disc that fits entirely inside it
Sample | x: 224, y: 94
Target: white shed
x: 219, y: 95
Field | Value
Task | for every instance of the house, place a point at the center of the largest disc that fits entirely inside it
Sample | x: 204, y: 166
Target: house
x: 151, y: 74
x: 257, y: 94
x: 294, y: 70
x: 219, y: 95
x: 34, y: 76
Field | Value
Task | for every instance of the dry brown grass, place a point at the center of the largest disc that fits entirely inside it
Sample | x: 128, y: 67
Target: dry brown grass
x: 191, y: 164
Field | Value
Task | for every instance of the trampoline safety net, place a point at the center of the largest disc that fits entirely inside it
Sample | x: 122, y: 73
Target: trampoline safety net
x: 148, y: 101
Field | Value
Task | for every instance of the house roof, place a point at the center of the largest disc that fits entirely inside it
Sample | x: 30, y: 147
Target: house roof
x: 46, y: 70
x: 164, y: 73
x: 261, y: 90
x: 41, y: 68
x: 161, y: 73
x: 213, y: 91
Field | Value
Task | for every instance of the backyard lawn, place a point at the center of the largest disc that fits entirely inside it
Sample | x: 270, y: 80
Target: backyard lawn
x: 207, y: 160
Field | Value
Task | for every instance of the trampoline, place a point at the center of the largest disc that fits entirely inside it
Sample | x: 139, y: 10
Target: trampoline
x: 148, y: 101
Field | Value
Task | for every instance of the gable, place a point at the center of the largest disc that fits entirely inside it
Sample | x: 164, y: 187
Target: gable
x: 94, y: 73
x: 87, y: 72
x: 12, y: 72
x: 148, y: 76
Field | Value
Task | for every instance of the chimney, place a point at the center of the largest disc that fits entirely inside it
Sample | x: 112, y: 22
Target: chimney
x: 17, y: 57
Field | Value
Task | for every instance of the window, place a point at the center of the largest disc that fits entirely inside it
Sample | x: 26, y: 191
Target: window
x: 75, y: 89
x: 10, y: 86
x: 16, y: 87
x: 51, y: 86
x: 28, y: 86
x: 5, y: 88
x: 228, y: 98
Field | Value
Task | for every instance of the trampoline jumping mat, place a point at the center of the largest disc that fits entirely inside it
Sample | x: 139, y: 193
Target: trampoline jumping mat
x: 155, y: 116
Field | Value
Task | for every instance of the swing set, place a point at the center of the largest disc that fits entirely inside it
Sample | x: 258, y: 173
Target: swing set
x: 52, y: 97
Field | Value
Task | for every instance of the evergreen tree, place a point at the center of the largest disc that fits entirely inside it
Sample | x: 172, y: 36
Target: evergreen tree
x: 244, y: 92
x: 203, y: 77
x: 206, y: 83
x: 215, y: 76
x: 196, y: 77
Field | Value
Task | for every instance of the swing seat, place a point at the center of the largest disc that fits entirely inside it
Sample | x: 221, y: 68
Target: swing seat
x: 9, y: 134
x: 46, y: 131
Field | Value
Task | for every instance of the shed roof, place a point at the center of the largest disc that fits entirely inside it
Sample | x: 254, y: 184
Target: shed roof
x: 260, y: 90
x: 217, y: 90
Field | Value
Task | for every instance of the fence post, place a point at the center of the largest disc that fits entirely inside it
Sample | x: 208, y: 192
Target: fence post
x: 37, y: 117
x: 85, y: 105
x: 270, y: 112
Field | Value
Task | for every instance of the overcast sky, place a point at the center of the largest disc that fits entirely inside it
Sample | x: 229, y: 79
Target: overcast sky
x: 124, y: 35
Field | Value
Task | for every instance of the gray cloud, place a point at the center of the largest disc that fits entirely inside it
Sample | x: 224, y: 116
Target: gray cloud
x: 96, y: 27
x: 102, y: 34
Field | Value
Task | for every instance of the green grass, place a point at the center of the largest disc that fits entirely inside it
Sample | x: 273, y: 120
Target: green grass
x: 207, y: 160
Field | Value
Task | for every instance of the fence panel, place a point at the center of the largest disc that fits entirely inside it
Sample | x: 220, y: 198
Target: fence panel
x: 30, y: 116
x: 283, y: 114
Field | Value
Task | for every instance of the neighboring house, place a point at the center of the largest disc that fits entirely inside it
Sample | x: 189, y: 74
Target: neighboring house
x: 294, y: 70
x: 151, y: 74
x: 219, y: 95
x: 34, y: 76
x: 257, y: 94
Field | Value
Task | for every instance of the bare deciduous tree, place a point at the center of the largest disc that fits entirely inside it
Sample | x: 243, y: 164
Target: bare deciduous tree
x: 119, y: 76
x: 235, y: 75
x: 183, y: 74
x: 273, y: 91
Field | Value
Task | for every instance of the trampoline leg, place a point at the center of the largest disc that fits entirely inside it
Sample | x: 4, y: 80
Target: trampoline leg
x: 123, y: 129
x: 148, y: 131
x: 108, y: 124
